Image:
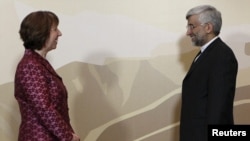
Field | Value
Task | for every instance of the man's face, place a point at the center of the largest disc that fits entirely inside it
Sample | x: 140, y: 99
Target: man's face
x: 196, y: 31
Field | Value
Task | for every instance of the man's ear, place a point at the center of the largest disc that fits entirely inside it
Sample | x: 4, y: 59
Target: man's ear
x: 209, y: 28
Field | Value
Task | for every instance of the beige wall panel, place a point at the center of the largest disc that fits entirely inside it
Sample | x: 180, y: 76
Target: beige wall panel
x: 122, y: 62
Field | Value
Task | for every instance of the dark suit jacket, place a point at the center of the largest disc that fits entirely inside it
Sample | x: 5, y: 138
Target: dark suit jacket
x: 42, y: 99
x: 208, y: 91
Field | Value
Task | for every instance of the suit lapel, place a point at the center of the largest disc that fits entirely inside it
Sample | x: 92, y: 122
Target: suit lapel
x: 203, y: 56
x: 194, y: 63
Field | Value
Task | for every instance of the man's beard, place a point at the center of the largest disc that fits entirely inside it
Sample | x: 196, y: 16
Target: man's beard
x: 199, y: 40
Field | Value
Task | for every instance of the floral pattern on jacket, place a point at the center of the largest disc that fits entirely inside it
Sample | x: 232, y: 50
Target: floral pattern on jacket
x: 42, y: 99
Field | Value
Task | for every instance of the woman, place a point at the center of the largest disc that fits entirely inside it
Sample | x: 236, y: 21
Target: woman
x: 39, y: 90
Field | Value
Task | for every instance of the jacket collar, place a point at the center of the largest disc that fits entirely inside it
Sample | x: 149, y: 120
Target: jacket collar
x: 40, y: 59
x: 203, y: 54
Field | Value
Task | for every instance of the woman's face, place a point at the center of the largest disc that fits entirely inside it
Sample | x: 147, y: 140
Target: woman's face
x: 51, y: 42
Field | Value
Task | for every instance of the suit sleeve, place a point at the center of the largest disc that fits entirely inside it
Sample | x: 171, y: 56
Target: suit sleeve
x: 221, y: 89
x: 37, y: 95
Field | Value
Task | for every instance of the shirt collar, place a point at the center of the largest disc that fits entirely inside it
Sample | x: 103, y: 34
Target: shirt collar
x: 208, y: 43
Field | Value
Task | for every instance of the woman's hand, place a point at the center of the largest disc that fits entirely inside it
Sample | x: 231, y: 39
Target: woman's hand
x: 75, y: 137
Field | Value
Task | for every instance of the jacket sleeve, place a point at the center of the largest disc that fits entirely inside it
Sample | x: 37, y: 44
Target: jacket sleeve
x: 37, y: 94
x: 221, y: 89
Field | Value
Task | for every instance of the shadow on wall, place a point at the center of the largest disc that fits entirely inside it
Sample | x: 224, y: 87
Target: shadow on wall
x: 187, y: 52
x: 239, y: 42
x: 247, y: 48
x: 9, y: 111
x: 101, y: 110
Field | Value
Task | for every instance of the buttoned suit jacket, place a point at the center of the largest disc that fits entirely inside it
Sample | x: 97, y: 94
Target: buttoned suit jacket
x: 42, y: 99
x: 208, y: 92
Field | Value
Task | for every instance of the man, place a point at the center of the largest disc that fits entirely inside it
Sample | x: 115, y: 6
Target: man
x: 208, y: 88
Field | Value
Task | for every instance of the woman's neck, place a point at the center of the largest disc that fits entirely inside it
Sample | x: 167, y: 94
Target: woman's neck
x: 41, y: 52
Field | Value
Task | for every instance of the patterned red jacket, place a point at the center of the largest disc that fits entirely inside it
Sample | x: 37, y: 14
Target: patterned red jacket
x: 42, y: 99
